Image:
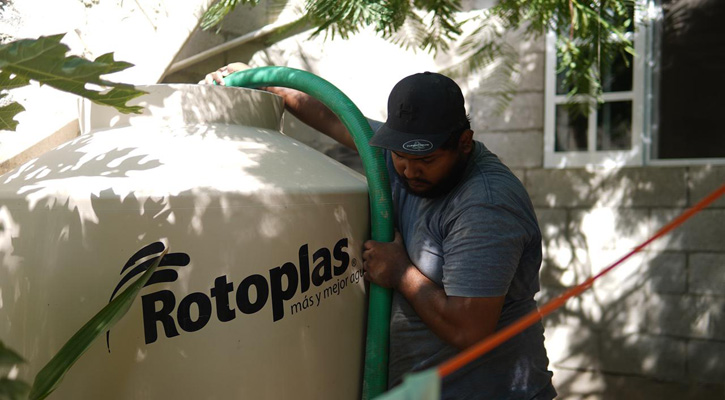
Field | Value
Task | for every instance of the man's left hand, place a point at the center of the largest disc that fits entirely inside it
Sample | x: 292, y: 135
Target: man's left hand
x: 385, y: 263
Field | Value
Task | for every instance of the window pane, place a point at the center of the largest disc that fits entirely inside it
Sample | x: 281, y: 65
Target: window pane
x: 571, y: 129
x: 617, y: 75
x: 614, y: 126
x: 690, y: 80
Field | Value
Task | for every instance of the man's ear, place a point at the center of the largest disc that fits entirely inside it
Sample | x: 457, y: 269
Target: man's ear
x: 465, y: 142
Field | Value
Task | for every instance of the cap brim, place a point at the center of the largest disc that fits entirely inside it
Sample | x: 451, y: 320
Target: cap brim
x: 409, y: 143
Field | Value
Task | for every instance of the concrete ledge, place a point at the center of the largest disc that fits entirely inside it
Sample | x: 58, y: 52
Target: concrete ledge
x: 64, y: 134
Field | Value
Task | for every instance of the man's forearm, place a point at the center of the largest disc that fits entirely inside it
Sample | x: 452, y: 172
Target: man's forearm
x: 459, y: 321
x: 315, y: 114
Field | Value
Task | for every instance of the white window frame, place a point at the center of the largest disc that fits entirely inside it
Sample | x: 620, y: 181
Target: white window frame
x: 640, y: 152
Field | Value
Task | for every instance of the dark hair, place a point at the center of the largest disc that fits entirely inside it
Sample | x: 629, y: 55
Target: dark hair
x: 452, y: 142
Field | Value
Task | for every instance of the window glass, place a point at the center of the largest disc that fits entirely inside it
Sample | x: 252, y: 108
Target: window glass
x: 614, y: 126
x: 689, y: 77
x: 571, y: 129
x: 617, y: 74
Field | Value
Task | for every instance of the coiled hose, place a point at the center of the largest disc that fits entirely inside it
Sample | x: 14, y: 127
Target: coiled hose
x: 381, y: 208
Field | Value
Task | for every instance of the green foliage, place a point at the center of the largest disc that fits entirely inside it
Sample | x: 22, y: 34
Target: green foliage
x: 44, y: 60
x: 52, y: 374
x: 591, y: 33
x: 216, y: 13
x: 8, y: 113
x: 486, y: 47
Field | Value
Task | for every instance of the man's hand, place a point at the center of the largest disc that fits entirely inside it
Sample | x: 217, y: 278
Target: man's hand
x: 385, y: 263
x: 460, y: 321
x: 218, y: 75
x: 305, y: 107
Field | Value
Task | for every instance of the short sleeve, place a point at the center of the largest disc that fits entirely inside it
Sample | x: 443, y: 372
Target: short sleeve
x: 374, y: 124
x: 482, y: 250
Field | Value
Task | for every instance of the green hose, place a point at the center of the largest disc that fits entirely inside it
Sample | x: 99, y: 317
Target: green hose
x: 381, y: 210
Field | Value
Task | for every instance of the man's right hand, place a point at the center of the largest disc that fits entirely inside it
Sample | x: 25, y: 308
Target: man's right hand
x: 218, y: 75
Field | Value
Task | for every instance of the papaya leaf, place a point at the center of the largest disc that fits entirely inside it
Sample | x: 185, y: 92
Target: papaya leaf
x: 11, y: 81
x: 52, y: 373
x: 13, y: 390
x: 8, y: 113
x: 44, y: 60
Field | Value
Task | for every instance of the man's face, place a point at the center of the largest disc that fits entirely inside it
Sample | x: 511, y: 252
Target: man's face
x: 433, y: 174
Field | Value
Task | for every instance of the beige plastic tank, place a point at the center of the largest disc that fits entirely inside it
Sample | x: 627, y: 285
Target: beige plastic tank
x: 261, y: 296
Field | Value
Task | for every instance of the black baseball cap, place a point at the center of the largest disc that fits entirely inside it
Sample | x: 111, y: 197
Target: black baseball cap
x: 423, y: 111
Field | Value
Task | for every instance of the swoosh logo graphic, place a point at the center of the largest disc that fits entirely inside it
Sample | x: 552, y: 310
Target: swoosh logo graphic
x: 162, y: 274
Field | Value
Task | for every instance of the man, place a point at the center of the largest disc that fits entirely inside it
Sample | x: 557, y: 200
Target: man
x: 466, y: 259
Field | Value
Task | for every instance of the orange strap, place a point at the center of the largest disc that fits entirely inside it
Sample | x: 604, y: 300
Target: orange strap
x: 493, y: 341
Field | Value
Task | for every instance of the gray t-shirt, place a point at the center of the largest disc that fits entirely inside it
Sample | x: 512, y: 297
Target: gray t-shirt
x: 481, y: 239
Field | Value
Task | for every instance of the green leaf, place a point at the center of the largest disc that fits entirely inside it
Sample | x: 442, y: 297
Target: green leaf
x: 216, y: 13
x: 11, y: 81
x: 13, y: 390
x: 51, y: 375
x: 44, y: 60
x: 8, y: 357
x: 7, y: 115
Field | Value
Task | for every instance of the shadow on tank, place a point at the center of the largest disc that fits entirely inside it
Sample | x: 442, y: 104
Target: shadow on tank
x: 271, y: 231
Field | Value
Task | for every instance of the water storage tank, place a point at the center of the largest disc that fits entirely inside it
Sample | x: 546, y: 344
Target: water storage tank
x: 261, y: 295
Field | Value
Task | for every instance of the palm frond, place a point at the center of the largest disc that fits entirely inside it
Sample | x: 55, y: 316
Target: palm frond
x: 411, y: 33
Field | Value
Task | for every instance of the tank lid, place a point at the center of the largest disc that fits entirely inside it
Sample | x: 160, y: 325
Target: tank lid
x: 186, y: 104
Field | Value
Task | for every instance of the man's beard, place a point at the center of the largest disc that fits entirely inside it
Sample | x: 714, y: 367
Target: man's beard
x: 442, y: 187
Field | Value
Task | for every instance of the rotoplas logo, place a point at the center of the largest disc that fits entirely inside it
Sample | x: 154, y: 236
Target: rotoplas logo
x: 251, y: 295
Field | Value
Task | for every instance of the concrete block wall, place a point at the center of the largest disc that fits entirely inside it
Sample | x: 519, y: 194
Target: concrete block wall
x: 659, y: 316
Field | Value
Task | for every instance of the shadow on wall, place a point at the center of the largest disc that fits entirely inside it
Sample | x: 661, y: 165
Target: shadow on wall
x: 654, y: 324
